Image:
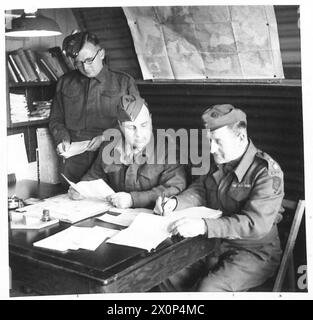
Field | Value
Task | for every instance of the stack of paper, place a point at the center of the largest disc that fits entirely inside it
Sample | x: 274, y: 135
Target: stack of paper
x: 65, y: 209
x: 75, y: 238
x: 147, y: 231
x: 76, y: 148
x: 18, y: 107
x: 123, y: 217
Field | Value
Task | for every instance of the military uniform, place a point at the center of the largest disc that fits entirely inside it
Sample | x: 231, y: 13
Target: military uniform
x: 145, y: 181
x: 83, y: 108
x: 249, y: 192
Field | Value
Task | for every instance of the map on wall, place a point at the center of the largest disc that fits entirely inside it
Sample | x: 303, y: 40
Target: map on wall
x: 206, y: 42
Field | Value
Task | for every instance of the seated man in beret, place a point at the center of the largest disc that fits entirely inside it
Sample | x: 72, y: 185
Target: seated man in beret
x: 85, y: 102
x: 141, y: 171
x: 246, y: 184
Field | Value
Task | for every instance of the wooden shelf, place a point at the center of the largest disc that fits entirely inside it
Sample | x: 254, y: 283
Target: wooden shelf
x: 28, y: 123
x: 31, y: 84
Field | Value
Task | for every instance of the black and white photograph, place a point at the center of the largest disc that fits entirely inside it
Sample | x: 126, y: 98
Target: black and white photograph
x: 156, y: 151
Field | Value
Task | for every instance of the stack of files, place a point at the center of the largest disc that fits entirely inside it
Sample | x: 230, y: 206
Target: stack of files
x: 75, y: 238
x: 18, y: 107
x: 147, y: 231
x: 63, y: 208
x: 41, y: 110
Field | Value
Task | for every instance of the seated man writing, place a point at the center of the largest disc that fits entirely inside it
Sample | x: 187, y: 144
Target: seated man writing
x: 134, y: 167
x: 244, y: 183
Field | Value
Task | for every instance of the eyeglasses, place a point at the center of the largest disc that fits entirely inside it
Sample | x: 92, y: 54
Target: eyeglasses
x: 87, y: 61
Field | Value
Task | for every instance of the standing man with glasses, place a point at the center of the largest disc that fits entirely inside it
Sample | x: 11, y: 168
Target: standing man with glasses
x: 85, y: 102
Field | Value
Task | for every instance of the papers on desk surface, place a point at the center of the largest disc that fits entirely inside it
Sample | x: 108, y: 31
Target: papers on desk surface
x: 147, y: 231
x: 63, y: 208
x: 75, y: 238
x: 122, y: 217
x: 76, y: 148
x: 94, y: 189
x: 195, y: 212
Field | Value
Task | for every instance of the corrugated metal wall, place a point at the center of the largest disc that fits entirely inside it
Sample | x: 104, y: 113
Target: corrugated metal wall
x: 289, y: 37
x: 110, y: 26
x: 274, y: 118
x: 274, y: 111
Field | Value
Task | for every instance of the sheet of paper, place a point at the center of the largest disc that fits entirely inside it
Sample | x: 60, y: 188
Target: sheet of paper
x: 17, y: 161
x: 94, y: 189
x: 76, y: 148
x: 147, y: 231
x: 195, y: 212
x: 75, y: 238
x: 65, y: 209
x: 123, y: 217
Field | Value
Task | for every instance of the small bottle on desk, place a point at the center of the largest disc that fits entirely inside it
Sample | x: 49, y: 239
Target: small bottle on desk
x: 45, y: 215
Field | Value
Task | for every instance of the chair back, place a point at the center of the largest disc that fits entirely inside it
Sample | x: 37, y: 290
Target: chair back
x: 288, y: 240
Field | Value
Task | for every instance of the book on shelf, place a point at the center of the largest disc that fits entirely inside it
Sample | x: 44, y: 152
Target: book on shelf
x: 34, y: 61
x: 20, y: 66
x: 48, y: 70
x: 15, y: 68
x: 56, y: 53
x: 27, y: 65
x: 12, y: 76
x: 52, y: 63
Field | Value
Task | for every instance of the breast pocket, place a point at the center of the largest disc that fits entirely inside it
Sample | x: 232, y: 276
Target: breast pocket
x: 109, y: 100
x: 72, y: 103
x: 239, y: 194
x: 149, y: 177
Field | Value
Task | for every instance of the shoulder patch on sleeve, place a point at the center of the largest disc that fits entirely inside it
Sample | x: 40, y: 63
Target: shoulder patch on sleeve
x: 273, y: 167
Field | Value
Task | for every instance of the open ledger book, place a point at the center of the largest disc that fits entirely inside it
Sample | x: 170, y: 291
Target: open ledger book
x: 147, y: 231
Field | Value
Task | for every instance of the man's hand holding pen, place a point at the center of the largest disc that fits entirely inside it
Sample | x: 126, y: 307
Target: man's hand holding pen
x: 165, y: 205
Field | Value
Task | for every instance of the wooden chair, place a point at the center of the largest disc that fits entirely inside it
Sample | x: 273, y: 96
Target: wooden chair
x: 288, y: 235
x: 287, y: 261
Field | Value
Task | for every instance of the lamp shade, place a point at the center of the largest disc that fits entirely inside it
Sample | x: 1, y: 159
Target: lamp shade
x: 33, y: 25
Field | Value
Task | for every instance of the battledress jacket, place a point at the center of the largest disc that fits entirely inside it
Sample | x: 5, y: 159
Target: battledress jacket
x: 249, y: 196
x: 84, y: 107
x: 145, y: 181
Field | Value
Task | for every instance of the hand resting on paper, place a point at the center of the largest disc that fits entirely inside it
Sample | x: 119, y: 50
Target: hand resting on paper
x: 188, y: 227
x: 74, y: 195
x: 95, y: 143
x: 169, y: 206
x: 122, y: 200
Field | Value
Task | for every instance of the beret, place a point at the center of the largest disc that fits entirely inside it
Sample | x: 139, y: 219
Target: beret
x: 73, y: 43
x: 221, y: 115
x: 129, y: 107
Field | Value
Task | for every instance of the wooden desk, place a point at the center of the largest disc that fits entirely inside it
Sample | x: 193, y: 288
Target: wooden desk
x: 110, y: 268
